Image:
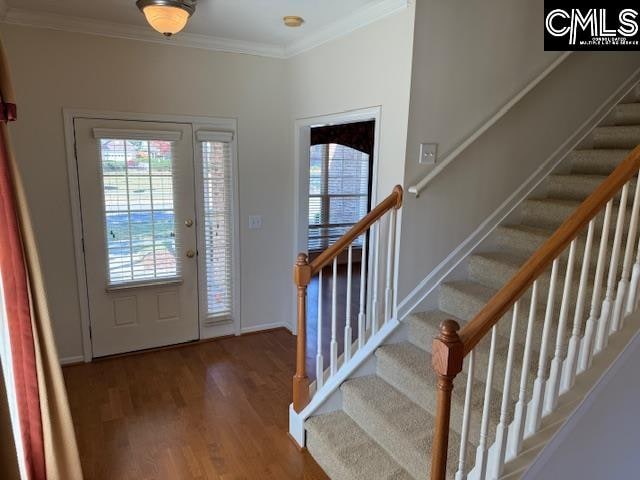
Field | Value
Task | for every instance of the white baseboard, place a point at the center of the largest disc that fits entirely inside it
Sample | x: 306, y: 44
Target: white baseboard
x: 265, y: 326
x: 440, y: 273
x: 72, y: 360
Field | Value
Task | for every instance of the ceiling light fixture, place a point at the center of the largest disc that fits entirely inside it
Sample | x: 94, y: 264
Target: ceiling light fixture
x: 167, y: 16
x: 293, y: 21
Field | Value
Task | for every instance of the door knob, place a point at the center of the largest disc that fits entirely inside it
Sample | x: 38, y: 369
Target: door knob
x: 191, y: 253
x: 188, y: 223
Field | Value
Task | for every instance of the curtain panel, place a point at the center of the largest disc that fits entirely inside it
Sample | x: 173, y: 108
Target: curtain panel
x: 49, y: 443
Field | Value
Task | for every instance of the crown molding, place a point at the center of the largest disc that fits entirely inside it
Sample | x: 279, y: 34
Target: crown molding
x: 337, y: 29
x: 344, y: 26
x: 16, y: 16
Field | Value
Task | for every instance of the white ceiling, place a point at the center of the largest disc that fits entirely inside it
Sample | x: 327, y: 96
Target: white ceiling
x: 245, y: 22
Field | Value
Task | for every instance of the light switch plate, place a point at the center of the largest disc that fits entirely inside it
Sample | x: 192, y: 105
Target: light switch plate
x: 255, y: 222
x: 428, y: 153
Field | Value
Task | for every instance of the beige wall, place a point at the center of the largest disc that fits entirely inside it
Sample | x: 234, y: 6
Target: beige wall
x: 469, y: 58
x: 370, y: 67
x: 53, y: 70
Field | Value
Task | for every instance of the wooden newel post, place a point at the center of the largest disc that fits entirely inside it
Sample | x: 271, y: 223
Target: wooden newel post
x: 447, y: 357
x: 301, y: 277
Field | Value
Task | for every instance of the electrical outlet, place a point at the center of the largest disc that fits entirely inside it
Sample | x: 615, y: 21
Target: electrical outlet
x: 428, y: 153
x: 255, y: 222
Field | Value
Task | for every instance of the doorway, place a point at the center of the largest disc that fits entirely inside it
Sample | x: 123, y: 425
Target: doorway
x: 336, y: 187
x: 158, y: 231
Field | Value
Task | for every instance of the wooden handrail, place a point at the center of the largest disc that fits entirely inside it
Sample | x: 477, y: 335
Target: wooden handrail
x: 502, y: 301
x: 302, y: 273
x: 394, y: 200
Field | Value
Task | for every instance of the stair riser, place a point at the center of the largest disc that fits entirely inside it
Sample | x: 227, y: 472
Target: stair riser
x: 399, y: 446
x: 420, y: 331
x: 616, y: 137
x: 568, y: 188
x: 466, y: 307
x: 344, y: 451
x: 526, y: 245
x: 596, y: 162
x: 550, y: 216
x: 628, y: 114
x: 423, y: 393
x: 496, y: 275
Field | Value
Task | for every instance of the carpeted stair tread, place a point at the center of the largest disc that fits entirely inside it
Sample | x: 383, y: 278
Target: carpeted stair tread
x: 626, y: 136
x: 464, y: 299
x: 423, y: 327
x: 346, y: 452
x: 400, y: 426
x: 578, y: 187
x: 627, y: 114
x: 408, y: 369
x: 596, y: 161
x: 495, y: 269
x: 549, y: 213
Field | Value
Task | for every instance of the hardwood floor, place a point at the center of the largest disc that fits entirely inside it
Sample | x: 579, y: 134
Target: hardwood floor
x: 215, y: 410
x: 341, y: 303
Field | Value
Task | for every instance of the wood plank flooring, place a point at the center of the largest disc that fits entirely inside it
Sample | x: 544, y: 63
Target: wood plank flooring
x: 341, y: 303
x: 215, y: 410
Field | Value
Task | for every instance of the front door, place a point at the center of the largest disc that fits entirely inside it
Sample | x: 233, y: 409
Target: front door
x: 136, y: 183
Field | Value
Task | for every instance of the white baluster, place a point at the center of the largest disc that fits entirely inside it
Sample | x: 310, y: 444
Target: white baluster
x: 623, y: 284
x: 632, y: 297
x: 590, y: 327
x: 533, y: 420
x: 503, y: 425
x: 362, y: 316
x: 569, y: 370
x: 334, y: 319
x: 347, y: 324
x: 605, y: 313
x: 519, y: 415
x: 466, y: 419
x: 483, y: 447
x: 388, y: 294
x: 374, y: 287
x: 319, y: 359
x: 553, y: 387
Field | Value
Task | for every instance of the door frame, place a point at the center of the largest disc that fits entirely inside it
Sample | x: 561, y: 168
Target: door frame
x: 302, y: 145
x: 202, y: 122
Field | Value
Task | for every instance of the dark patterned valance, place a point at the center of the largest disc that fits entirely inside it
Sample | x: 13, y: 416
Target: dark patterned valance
x: 358, y: 135
x: 8, y: 112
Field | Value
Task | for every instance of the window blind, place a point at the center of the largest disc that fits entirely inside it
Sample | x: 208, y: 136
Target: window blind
x: 218, y: 222
x: 338, y: 192
x: 140, y: 230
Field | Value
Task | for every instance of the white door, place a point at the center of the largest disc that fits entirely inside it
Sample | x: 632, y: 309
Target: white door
x: 137, y: 197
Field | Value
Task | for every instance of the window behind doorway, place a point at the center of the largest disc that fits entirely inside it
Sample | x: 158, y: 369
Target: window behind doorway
x: 341, y: 157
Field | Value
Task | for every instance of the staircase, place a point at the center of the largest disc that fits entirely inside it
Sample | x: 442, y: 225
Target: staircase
x: 386, y: 425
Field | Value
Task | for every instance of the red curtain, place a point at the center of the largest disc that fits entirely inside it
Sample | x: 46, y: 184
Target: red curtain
x: 18, y: 309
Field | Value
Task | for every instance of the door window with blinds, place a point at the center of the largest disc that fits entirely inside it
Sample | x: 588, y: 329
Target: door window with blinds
x: 217, y: 229
x: 339, y: 181
x: 139, y: 217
